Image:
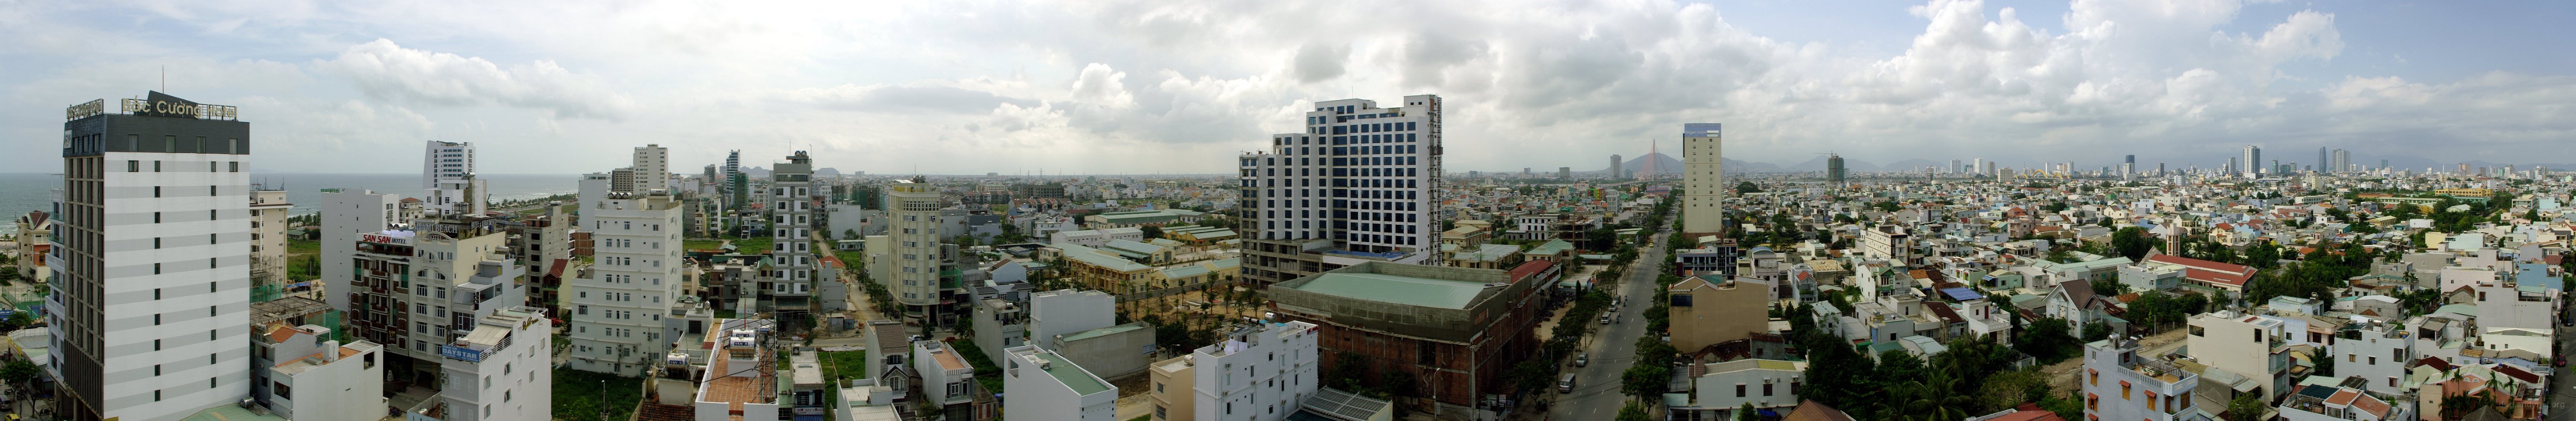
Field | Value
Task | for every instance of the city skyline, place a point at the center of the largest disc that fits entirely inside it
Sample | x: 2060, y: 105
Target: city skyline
x: 1070, y: 88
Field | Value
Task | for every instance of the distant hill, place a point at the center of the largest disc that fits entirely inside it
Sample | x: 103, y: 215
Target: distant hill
x: 1665, y: 164
x: 1916, y: 164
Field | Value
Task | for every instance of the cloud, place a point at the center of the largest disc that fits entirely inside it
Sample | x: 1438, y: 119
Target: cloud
x: 1179, y: 86
x: 1317, y: 62
x: 385, y: 70
x: 904, y: 99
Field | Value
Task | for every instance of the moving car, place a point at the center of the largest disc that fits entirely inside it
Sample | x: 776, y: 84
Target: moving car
x: 1581, y: 359
x: 1565, y: 383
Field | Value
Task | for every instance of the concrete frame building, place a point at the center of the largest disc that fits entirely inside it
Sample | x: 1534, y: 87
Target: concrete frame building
x: 1461, y: 329
x: 620, y: 312
x: 35, y: 239
x: 1703, y: 183
x: 268, y: 210
x: 152, y: 260
x: 2255, y: 348
x: 1358, y: 185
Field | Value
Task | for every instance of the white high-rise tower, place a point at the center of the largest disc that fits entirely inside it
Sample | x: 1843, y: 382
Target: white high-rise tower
x: 1360, y: 176
x: 2251, y: 163
x: 151, y: 292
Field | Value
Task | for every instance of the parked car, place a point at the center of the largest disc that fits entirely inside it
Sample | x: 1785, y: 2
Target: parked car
x: 1565, y: 383
x: 1581, y: 359
x: 1605, y: 320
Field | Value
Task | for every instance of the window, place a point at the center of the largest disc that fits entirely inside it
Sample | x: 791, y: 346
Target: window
x: 133, y: 166
x: 1739, y: 390
x: 283, y: 391
x: 1766, y: 389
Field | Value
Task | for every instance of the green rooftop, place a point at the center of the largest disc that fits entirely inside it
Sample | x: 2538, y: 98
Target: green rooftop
x: 1106, y: 331
x: 1426, y: 292
x: 1064, y: 371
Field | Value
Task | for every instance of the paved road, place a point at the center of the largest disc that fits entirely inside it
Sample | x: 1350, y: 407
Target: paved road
x: 1596, y: 394
x: 2561, y: 402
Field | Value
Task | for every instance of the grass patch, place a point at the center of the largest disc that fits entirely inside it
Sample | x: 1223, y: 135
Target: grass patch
x: 576, y: 395
x: 700, y: 244
x: 754, y: 245
x: 303, y: 247
x: 1145, y: 417
x: 986, y: 374
x: 845, y: 365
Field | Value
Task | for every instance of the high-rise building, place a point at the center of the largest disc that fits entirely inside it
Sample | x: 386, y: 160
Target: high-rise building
x: 151, y: 259
x: 447, y: 177
x: 1704, y: 188
x: 793, y: 201
x: 1958, y: 166
x: 1985, y: 167
x: 2323, y: 159
x: 1565, y: 173
x: 268, y: 208
x: 913, y: 206
x: 2464, y: 169
x: 1356, y: 185
x: 1615, y: 171
x: 618, y: 313
x: 652, y: 168
x: 2342, y: 162
x: 1834, y: 171
x: 2251, y: 162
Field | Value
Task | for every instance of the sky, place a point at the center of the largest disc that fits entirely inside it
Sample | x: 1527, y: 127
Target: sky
x: 1174, y: 87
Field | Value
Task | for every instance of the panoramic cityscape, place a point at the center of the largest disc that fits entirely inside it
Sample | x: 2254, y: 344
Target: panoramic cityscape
x: 1175, y: 211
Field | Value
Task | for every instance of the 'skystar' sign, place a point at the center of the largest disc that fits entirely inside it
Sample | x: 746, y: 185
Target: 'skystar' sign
x: 381, y: 239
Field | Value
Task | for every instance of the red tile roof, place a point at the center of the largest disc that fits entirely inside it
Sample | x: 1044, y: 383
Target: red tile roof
x: 2437, y: 363
x: 2208, y: 271
x: 2518, y: 373
x: 1532, y: 267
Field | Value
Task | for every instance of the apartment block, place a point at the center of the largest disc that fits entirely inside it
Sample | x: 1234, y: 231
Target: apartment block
x: 499, y: 370
x: 621, y: 312
x: 2119, y: 384
x: 301, y: 375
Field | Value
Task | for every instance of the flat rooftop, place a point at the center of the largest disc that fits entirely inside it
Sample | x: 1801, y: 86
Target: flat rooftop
x: 1065, y: 371
x: 1396, y: 289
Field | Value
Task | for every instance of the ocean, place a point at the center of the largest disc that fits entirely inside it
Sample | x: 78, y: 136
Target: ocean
x: 24, y: 192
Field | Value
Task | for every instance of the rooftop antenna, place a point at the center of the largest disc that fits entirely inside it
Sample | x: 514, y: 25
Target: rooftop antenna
x: 165, y: 78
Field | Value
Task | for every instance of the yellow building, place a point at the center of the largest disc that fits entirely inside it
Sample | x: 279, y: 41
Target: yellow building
x: 1710, y: 309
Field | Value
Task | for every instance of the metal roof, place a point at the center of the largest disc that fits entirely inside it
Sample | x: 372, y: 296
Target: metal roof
x: 1426, y: 292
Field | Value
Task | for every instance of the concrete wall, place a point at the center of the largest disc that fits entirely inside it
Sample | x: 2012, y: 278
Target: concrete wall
x: 1109, y: 356
x: 1718, y: 313
x: 1063, y: 312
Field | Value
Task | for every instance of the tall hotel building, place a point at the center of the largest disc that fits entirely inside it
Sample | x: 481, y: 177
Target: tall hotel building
x: 913, y: 206
x: 1703, y: 181
x: 1356, y: 186
x: 152, y: 262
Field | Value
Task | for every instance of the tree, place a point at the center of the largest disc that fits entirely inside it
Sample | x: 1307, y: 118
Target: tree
x: 2096, y: 330
x: 2047, y: 339
x: 18, y: 372
x: 2132, y: 242
x: 1747, y: 413
x: 2246, y: 407
x: 1153, y: 232
x: 2009, y: 389
x: 1747, y: 188
x: 2325, y: 362
x: 1633, y: 412
x: 1643, y: 380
